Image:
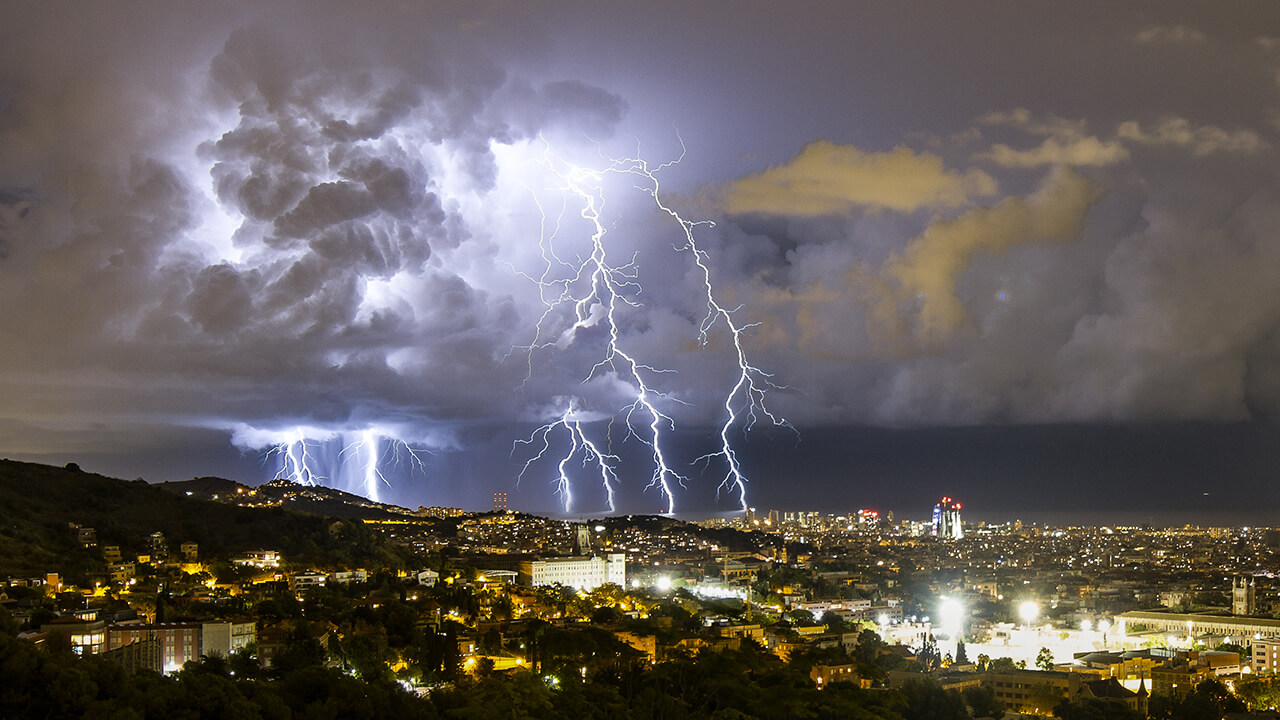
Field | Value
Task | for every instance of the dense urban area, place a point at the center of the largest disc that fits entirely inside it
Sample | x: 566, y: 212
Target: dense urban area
x: 213, y: 599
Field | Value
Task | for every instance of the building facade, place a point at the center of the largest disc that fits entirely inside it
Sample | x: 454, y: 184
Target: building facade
x: 586, y: 573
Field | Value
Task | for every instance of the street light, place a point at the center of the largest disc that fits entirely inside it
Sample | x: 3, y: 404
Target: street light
x: 951, y: 617
x: 1029, y: 611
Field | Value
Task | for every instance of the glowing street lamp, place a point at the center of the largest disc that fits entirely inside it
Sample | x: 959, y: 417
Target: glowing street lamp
x: 950, y: 617
x: 1029, y: 611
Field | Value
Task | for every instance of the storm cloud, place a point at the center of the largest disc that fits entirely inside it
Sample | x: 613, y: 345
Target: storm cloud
x: 236, y: 221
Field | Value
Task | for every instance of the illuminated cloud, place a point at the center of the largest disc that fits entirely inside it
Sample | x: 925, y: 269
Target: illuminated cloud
x: 1200, y: 139
x: 1081, y: 151
x: 925, y: 274
x: 826, y: 179
x: 1170, y: 34
x: 247, y: 219
x: 1065, y: 143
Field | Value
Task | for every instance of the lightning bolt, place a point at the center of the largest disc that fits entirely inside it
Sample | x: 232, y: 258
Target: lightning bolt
x: 365, y: 450
x: 592, y: 291
x: 579, y: 445
x: 360, y: 465
x: 745, y: 402
x: 296, y: 461
x: 372, y: 451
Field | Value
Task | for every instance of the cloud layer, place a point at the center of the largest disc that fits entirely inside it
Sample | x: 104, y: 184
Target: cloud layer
x: 242, y: 220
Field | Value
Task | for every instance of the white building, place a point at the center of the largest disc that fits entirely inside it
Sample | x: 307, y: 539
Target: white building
x: 301, y: 580
x: 1266, y: 655
x: 586, y: 573
x: 346, y: 577
x: 224, y: 638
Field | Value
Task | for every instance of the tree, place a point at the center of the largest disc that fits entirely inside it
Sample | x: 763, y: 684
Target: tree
x: 868, y: 647
x: 925, y: 699
x: 1261, y: 693
x: 834, y: 622
x: 801, y: 617
x: 1044, y: 659
x: 982, y: 701
x: 1044, y: 697
x: 301, y: 649
x: 928, y: 655
x: 1095, y: 709
x: 961, y: 657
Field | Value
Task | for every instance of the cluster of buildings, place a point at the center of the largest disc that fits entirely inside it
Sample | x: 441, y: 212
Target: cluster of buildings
x: 1126, y: 611
x: 137, y: 644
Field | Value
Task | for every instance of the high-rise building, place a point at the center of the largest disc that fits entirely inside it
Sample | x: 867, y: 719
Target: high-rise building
x: 499, y: 502
x: 946, y: 520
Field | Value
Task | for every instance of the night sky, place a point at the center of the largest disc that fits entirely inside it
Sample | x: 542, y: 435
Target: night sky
x: 1026, y: 254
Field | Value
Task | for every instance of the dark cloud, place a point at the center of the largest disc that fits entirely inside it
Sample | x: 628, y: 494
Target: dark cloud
x: 249, y: 219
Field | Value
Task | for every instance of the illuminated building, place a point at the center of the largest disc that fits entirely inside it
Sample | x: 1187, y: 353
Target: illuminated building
x: 946, y: 520
x: 86, y: 637
x: 824, y: 675
x: 1243, y: 597
x: 499, y: 502
x: 586, y: 573
x: 224, y: 638
x: 179, y: 642
x: 1266, y: 655
x: 260, y: 559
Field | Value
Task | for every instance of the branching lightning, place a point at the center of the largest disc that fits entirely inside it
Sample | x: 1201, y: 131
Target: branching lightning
x: 296, y: 461
x: 745, y: 402
x: 581, y: 445
x: 592, y: 296
x: 596, y: 290
x: 357, y: 466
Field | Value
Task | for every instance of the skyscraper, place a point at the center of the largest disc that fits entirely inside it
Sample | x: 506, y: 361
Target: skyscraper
x: 946, y: 520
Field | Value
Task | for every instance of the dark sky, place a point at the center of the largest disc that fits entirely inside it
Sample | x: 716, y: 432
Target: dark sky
x: 1020, y: 253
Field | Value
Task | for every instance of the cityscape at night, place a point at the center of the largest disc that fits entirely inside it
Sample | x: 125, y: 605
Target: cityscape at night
x: 915, y: 361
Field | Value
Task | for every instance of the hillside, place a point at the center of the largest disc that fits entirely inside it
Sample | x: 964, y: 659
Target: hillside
x: 40, y: 505
x: 315, y: 499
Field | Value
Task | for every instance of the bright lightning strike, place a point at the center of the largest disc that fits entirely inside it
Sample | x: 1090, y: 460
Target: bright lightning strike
x: 296, y: 461
x: 373, y: 452
x: 745, y: 402
x: 579, y: 445
x: 356, y: 464
x: 595, y: 290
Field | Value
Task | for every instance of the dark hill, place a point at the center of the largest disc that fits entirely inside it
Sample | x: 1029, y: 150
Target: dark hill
x: 315, y: 499
x: 40, y: 506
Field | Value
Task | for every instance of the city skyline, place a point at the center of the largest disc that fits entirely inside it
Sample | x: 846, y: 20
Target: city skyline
x: 1021, y: 255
